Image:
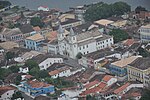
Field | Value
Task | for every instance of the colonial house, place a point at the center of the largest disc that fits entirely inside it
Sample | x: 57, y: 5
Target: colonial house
x: 71, y: 43
x: 27, y: 30
x: 33, y: 41
x: 23, y: 69
x: 138, y: 69
x: 63, y: 70
x: 109, y: 80
x: 43, y: 8
x: 36, y: 88
x: 119, y: 68
x: 145, y: 33
x: 91, y: 59
x: 45, y: 61
x: 6, y: 92
x: 14, y: 35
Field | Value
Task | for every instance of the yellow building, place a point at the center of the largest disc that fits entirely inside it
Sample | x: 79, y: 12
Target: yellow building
x: 138, y: 69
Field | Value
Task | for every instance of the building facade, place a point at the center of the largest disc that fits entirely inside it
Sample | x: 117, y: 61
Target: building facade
x: 36, y: 88
x: 71, y: 43
x: 145, y: 33
x: 138, y: 69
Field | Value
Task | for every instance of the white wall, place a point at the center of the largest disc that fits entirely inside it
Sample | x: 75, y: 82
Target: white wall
x: 111, y: 81
x: 48, y: 62
x: 7, y: 95
x: 65, y: 73
x: 23, y: 70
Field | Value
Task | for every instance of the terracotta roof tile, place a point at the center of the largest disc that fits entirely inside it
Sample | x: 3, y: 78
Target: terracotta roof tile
x: 91, y: 84
x: 120, y: 89
x: 4, y: 89
x: 107, y: 78
x: 37, y: 84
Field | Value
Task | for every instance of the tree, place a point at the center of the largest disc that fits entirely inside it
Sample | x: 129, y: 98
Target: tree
x: 103, y: 10
x: 36, y: 21
x: 34, y: 72
x: 119, y: 35
x: 79, y: 55
x: 89, y: 97
x: 18, y: 80
x: 145, y: 95
x: 17, y: 95
x: 31, y: 64
x: 143, y: 52
x: 43, y: 73
x: 4, y: 73
x: 14, y: 69
x: 4, y: 4
x: 139, y: 8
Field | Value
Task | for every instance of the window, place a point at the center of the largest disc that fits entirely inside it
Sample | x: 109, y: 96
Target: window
x: 106, y: 40
x: 86, y: 46
x: 7, y: 93
x: 83, y: 47
x: 80, y: 48
x: 110, y: 39
x: 87, y: 51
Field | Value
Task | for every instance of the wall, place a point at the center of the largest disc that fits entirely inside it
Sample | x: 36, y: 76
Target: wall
x: 49, y: 61
x: 7, y: 95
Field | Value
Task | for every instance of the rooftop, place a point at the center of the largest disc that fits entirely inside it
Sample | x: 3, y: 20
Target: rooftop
x: 36, y: 37
x: 69, y: 20
x: 37, y: 28
x: 125, y: 62
x: 37, y: 84
x: 107, y: 78
x: 91, y: 84
x: 146, y: 26
x: 103, y: 22
x: 13, y: 31
x: 141, y: 63
x: 26, y: 28
x: 8, y: 45
x: 120, y: 89
x: 4, y: 89
x: 100, y: 53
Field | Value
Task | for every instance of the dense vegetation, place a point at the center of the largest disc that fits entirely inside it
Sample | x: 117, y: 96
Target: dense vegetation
x: 119, y: 35
x: 146, y: 95
x: 143, y: 52
x: 4, y: 4
x: 139, y: 8
x: 36, y: 21
x: 103, y: 10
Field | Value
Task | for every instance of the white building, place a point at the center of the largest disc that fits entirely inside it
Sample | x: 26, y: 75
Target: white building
x: 45, y: 61
x: 61, y: 72
x: 43, y: 8
x: 109, y: 80
x: 6, y: 92
x: 71, y: 43
x: 24, y: 69
x: 145, y: 33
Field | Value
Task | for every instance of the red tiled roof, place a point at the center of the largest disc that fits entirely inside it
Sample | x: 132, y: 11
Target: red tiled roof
x: 91, y: 84
x: 37, y: 84
x: 28, y: 76
x: 120, y: 89
x: 54, y: 72
x: 107, y: 78
x: 129, y: 42
x: 4, y: 89
x: 99, y: 88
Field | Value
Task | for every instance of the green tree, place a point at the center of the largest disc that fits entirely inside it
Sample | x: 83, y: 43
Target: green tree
x: 17, y: 95
x: 43, y: 74
x: 31, y: 64
x: 89, y: 97
x: 4, y: 73
x: 14, y: 69
x: 35, y: 72
x: 103, y: 10
x: 4, y: 4
x: 79, y: 55
x: 119, y: 35
x: 139, y: 8
x: 145, y: 95
x: 36, y: 21
x: 143, y: 52
x: 18, y: 80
